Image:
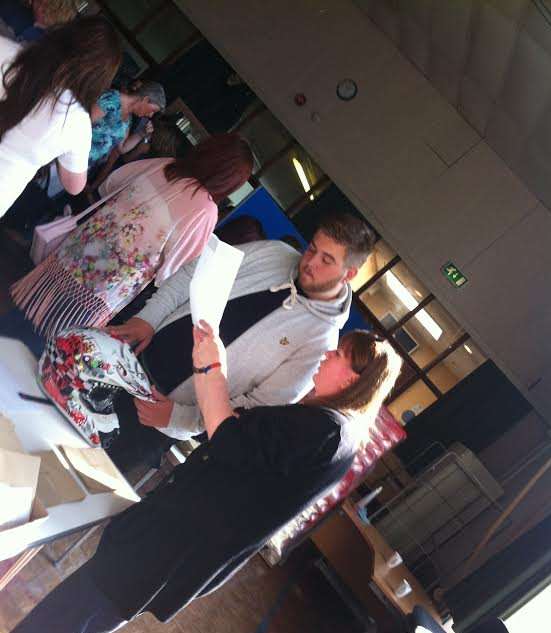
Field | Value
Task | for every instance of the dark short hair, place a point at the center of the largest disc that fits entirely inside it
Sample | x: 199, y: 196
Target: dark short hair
x: 352, y: 232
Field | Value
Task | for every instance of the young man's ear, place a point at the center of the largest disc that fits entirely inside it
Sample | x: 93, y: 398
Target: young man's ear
x: 350, y: 273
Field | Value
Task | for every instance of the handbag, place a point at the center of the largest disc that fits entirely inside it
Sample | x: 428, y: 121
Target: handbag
x: 47, y: 237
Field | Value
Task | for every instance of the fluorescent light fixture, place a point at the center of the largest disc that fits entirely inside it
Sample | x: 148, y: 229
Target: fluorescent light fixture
x: 405, y: 296
x: 302, y: 176
x: 468, y: 349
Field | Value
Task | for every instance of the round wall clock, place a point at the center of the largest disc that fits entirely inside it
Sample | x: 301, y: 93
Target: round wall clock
x: 347, y: 89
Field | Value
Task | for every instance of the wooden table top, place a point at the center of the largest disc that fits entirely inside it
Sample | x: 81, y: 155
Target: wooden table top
x: 387, y: 579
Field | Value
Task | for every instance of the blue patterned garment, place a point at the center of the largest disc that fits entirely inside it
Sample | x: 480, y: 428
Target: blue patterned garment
x: 110, y: 130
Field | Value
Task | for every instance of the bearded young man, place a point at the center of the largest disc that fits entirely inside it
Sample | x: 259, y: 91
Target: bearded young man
x: 285, y: 310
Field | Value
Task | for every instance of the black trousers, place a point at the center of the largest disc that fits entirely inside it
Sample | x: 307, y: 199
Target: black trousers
x: 135, y: 444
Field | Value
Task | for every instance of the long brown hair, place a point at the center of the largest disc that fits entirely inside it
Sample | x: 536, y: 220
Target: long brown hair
x: 82, y: 56
x: 221, y: 164
x: 378, y: 367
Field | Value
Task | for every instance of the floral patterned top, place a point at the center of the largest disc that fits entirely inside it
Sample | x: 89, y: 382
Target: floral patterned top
x: 146, y: 231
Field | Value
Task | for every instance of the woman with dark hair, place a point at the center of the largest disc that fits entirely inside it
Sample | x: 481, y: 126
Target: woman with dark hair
x: 161, y: 218
x: 47, y: 93
x: 259, y: 469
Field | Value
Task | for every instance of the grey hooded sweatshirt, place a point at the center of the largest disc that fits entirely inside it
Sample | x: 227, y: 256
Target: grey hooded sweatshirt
x: 273, y: 362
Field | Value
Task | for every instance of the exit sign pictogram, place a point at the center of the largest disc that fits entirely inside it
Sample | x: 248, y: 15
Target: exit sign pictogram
x: 454, y: 275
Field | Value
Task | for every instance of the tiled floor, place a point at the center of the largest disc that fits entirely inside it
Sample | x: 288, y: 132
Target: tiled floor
x: 238, y: 607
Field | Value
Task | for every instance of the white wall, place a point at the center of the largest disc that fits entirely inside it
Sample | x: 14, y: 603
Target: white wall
x: 406, y: 158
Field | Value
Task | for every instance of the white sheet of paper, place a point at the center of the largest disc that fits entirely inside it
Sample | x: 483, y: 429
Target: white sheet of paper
x: 212, y: 281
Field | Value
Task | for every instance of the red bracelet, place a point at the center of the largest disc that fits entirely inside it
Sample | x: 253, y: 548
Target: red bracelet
x: 205, y: 370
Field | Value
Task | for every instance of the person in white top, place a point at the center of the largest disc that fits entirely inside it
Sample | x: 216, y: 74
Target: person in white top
x: 47, y: 91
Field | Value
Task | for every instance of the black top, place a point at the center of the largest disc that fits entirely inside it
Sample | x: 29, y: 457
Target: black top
x: 256, y: 473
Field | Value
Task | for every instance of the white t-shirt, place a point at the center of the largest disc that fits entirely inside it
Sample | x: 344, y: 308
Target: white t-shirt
x: 43, y: 135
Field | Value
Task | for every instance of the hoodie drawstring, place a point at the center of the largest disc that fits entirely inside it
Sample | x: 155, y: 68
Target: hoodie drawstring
x: 290, y: 301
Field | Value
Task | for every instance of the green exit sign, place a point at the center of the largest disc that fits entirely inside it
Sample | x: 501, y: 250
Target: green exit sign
x: 454, y: 275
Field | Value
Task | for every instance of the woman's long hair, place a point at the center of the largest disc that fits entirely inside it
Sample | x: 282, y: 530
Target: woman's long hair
x: 82, y: 57
x: 221, y: 164
x: 378, y: 366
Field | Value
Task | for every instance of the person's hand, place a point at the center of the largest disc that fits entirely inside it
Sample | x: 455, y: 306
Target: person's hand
x: 136, y: 332
x: 156, y: 414
x: 207, y: 348
x: 148, y: 130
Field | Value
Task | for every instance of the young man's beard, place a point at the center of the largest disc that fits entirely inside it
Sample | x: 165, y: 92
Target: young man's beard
x: 307, y: 284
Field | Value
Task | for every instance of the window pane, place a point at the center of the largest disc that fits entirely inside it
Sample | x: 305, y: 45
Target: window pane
x: 132, y: 12
x: 434, y: 330
x: 266, y: 136
x: 381, y: 255
x: 289, y: 177
x: 395, y: 294
x: 426, y: 334
x: 365, y: 272
x: 416, y: 399
x: 132, y: 63
x: 456, y: 366
x: 165, y: 33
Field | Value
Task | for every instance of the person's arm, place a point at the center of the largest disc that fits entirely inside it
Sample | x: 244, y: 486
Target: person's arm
x: 174, y: 292
x: 211, y: 391
x: 141, y: 150
x: 211, y: 385
x: 72, y: 165
x: 134, y: 139
x: 171, y: 294
x: 289, y: 383
x: 73, y: 182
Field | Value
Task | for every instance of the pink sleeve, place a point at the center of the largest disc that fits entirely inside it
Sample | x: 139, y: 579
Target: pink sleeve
x: 188, y: 239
